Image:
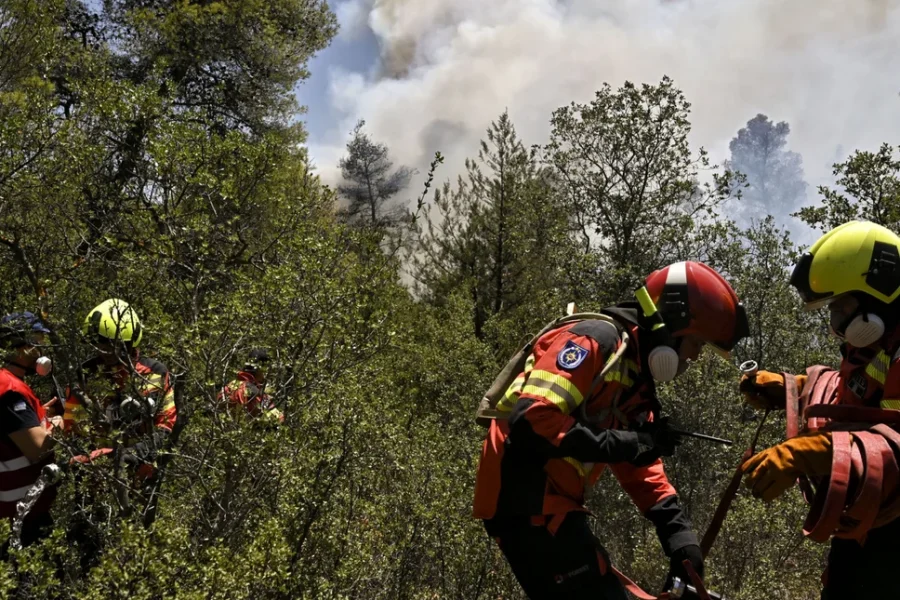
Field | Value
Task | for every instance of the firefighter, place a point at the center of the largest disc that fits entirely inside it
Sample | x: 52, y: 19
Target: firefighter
x: 246, y: 395
x: 854, y: 271
x: 25, y: 444
x: 564, y: 428
x: 133, y: 394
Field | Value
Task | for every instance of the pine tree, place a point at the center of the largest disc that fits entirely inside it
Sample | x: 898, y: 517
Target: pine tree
x: 370, y: 181
x: 774, y: 175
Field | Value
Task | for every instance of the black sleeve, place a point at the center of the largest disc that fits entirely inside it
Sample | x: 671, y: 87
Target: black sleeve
x: 579, y: 442
x: 604, y: 445
x: 604, y: 333
x: 147, y: 449
x: 16, y: 413
x: 672, y: 526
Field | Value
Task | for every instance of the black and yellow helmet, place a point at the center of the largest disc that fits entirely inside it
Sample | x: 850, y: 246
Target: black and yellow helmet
x: 113, y: 321
x: 856, y: 257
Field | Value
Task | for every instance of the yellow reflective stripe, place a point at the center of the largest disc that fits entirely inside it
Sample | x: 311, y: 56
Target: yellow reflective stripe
x: 874, y: 374
x: 878, y: 368
x: 613, y: 376
x: 620, y: 377
x: 891, y: 403
x: 562, y: 402
x: 506, y: 403
x: 578, y: 466
x: 556, y: 379
x: 169, y: 404
x: 509, y: 399
x: 152, y: 381
x: 511, y: 396
x: 555, y: 388
x: 74, y: 411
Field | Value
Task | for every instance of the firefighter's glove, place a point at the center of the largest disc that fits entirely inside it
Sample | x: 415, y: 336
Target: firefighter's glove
x: 765, y: 390
x: 656, y: 439
x: 692, y: 554
x: 775, y: 469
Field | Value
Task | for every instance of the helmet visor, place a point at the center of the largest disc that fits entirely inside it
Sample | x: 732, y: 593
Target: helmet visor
x: 812, y: 300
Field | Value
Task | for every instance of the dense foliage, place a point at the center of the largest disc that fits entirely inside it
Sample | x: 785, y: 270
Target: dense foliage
x: 149, y: 151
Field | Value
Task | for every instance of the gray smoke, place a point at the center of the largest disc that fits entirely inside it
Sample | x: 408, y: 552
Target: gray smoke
x: 830, y: 68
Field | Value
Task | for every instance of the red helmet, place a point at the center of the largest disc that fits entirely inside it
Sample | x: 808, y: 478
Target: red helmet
x: 694, y: 299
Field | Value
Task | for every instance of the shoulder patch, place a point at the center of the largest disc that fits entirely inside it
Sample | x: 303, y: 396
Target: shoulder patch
x: 605, y: 334
x: 571, y: 355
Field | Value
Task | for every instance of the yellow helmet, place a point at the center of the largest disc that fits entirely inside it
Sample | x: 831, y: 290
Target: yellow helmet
x: 113, y: 320
x: 858, y: 256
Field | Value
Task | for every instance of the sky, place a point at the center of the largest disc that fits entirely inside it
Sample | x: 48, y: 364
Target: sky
x: 430, y: 75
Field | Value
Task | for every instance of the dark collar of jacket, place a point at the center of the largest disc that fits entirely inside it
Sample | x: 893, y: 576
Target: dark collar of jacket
x: 628, y: 315
x: 95, y: 364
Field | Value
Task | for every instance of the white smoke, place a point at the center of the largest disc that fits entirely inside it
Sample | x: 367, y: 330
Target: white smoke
x: 830, y: 68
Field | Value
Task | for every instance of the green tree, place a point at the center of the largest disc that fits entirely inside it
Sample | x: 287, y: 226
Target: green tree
x: 148, y: 151
x: 500, y: 233
x: 630, y: 179
x: 869, y: 190
x: 370, y: 181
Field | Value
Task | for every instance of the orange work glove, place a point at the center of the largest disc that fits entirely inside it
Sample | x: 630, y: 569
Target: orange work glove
x: 775, y: 469
x: 765, y: 390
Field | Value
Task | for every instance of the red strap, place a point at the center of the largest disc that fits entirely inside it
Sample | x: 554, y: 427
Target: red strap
x: 892, y: 436
x: 696, y: 580
x: 636, y: 590
x: 821, y: 389
x: 890, y: 505
x: 852, y: 414
x: 715, y: 525
x: 825, y: 513
x: 792, y: 404
x: 864, y: 508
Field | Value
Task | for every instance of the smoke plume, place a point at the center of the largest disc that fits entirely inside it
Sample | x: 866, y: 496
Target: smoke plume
x: 830, y: 68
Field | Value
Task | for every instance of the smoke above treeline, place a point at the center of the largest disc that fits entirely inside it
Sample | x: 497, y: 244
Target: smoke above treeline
x: 829, y: 68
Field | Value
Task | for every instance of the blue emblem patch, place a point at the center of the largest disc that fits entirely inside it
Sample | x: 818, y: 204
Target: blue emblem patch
x: 571, y: 355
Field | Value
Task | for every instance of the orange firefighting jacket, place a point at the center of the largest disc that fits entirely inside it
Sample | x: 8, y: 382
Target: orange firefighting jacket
x: 245, y: 394
x: 860, y: 492
x: 871, y: 377
x: 540, y: 461
x: 149, y: 378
